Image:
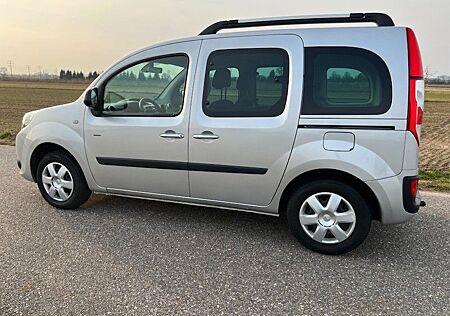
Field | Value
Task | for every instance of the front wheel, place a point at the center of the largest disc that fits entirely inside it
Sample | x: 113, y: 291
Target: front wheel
x: 329, y: 217
x: 61, y: 181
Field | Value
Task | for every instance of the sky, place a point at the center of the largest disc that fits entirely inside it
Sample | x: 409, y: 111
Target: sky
x: 92, y: 34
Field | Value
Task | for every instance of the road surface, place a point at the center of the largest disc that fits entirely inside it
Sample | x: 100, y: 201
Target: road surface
x: 118, y: 256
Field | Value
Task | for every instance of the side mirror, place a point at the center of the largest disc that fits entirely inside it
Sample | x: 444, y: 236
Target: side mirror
x: 91, y: 99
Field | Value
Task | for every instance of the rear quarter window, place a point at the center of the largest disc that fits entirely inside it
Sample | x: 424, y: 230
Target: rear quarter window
x: 345, y: 80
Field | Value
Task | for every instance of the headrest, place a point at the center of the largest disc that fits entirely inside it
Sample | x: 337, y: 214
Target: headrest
x: 222, y: 78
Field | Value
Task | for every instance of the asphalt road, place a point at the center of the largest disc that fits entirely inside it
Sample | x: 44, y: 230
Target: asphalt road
x: 118, y: 256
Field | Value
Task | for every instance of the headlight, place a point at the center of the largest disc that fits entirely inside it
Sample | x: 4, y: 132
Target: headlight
x: 27, y: 119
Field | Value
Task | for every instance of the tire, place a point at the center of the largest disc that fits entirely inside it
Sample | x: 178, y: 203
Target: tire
x: 328, y: 217
x: 61, y: 181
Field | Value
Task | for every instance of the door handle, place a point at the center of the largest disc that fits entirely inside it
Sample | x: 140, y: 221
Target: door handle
x: 171, y: 134
x: 205, y: 135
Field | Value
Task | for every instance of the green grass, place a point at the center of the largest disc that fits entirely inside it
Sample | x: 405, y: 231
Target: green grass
x: 434, y: 180
x: 4, y: 135
x: 53, y: 85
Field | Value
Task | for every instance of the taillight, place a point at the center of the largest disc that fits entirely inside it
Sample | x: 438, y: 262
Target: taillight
x: 414, y: 185
x: 416, y: 86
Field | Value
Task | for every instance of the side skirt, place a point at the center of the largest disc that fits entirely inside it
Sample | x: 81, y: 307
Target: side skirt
x: 183, y: 200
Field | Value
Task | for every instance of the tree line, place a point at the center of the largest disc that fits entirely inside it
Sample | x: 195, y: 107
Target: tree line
x: 156, y: 77
x: 347, y: 77
x: 77, y: 75
x: 438, y: 80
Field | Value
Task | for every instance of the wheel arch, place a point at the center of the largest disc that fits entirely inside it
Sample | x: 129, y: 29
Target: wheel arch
x: 44, y: 148
x: 330, y: 174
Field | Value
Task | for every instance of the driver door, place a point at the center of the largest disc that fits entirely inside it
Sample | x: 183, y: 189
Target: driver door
x: 138, y: 145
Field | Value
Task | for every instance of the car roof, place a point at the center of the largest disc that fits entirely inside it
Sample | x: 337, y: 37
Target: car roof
x: 273, y: 31
x: 269, y: 26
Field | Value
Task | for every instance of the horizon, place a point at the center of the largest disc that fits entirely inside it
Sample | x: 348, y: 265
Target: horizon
x: 50, y: 36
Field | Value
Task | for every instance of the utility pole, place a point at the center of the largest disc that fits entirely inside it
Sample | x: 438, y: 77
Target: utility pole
x: 29, y: 72
x: 10, y: 64
x: 40, y: 72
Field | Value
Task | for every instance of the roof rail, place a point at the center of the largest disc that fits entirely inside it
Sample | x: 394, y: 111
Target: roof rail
x: 380, y: 19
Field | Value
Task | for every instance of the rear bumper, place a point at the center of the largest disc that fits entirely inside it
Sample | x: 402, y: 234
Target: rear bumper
x: 390, y: 195
x: 411, y: 195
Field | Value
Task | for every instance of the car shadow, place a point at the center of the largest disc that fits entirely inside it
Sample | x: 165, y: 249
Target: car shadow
x: 142, y: 223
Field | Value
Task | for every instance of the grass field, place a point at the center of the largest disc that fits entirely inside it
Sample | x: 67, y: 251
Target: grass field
x: 17, y: 98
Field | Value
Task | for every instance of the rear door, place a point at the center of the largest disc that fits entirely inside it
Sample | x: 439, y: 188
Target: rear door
x: 244, y: 117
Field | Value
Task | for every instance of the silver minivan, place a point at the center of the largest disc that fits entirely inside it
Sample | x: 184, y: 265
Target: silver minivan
x: 318, y: 125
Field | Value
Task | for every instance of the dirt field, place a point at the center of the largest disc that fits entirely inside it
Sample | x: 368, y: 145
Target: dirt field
x: 435, y: 145
x: 17, y: 98
x: 435, y: 141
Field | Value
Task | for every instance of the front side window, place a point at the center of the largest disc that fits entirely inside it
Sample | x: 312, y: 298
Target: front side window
x: 343, y: 80
x: 246, y: 83
x: 151, y: 88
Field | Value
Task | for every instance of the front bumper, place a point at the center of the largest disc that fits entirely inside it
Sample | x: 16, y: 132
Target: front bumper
x: 23, y: 153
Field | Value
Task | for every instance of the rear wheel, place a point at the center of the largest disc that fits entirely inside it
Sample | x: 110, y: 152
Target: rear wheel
x: 61, y: 181
x: 329, y: 217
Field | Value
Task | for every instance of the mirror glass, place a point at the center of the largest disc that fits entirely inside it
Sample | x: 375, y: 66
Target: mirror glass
x: 94, y: 97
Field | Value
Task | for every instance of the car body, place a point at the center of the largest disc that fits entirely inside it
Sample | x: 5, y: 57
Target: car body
x: 243, y: 120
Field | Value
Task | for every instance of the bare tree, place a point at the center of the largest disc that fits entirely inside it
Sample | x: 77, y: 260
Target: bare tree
x: 428, y: 74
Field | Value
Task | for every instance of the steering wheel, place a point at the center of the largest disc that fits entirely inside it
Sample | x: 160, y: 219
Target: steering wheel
x: 146, y: 104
